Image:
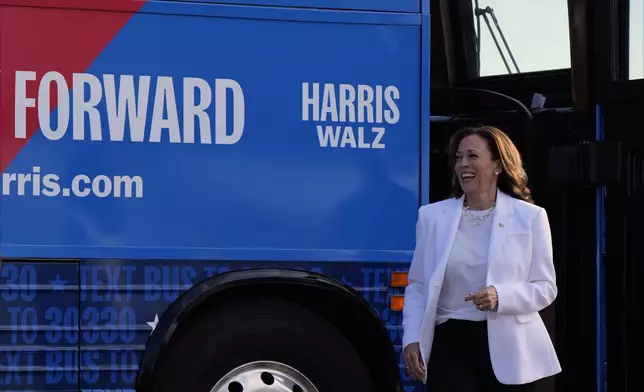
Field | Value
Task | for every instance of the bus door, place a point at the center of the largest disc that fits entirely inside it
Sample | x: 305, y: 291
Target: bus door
x: 516, y: 65
x: 619, y: 79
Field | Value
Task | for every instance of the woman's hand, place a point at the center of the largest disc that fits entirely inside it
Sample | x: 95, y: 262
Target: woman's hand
x: 413, y: 362
x: 485, y: 300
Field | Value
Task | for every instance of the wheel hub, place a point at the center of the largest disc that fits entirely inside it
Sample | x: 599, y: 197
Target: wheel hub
x: 264, y: 376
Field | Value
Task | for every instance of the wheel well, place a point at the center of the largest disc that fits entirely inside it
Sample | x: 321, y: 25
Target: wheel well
x: 332, y: 300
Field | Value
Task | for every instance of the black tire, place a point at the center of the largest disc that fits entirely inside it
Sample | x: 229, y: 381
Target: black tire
x: 223, y: 338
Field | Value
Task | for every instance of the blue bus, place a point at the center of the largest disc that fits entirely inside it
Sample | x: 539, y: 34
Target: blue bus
x: 199, y: 196
x: 243, y: 177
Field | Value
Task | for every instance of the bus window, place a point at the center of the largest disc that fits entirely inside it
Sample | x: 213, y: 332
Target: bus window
x: 521, y: 36
x: 636, y: 40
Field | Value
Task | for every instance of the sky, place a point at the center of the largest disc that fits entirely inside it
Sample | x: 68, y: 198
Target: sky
x: 537, y: 33
x: 637, y: 39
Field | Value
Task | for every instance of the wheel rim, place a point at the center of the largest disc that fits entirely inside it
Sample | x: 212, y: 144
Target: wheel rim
x: 264, y: 376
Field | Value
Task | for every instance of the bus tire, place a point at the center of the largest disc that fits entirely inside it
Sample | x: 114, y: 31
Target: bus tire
x: 220, y: 339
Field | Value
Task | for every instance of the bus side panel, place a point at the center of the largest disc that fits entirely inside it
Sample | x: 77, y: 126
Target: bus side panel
x: 39, y: 310
x: 42, y: 326
x: 369, y: 5
x: 131, y: 296
x: 210, y: 137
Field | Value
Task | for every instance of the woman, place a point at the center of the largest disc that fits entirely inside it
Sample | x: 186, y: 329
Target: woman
x: 481, y: 272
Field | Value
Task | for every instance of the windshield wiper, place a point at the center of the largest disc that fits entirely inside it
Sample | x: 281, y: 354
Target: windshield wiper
x: 484, y: 13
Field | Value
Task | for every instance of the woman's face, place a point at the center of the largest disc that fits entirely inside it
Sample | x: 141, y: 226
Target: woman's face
x: 474, y: 165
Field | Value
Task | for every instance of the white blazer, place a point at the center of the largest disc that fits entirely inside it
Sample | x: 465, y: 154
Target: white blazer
x: 520, y: 267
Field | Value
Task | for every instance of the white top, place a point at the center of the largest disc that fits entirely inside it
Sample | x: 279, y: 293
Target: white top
x: 466, y: 270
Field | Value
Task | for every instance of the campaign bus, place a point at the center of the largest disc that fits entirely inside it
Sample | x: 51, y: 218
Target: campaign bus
x: 221, y: 195
x: 209, y: 193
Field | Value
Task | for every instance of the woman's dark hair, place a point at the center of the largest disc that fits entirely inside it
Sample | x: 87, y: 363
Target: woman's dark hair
x: 513, y: 179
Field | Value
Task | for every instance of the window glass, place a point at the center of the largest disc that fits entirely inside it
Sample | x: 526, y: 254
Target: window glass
x: 536, y: 33
x: 636, y: 40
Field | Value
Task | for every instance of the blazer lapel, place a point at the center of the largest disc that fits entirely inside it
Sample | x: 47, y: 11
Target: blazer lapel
x: 445, y: 234
x: 501, y: 226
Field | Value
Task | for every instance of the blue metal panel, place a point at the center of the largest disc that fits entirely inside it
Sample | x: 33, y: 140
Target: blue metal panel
x: 39, y: 326
x: 600, y: 289
x: 120, y: 301
x: 277, y: 192
x: 424, y: 107
x: 369, y: 5
x: 282, y: 14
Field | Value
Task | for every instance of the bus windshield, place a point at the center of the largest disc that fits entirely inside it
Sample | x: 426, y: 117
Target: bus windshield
x: 521, y: 36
